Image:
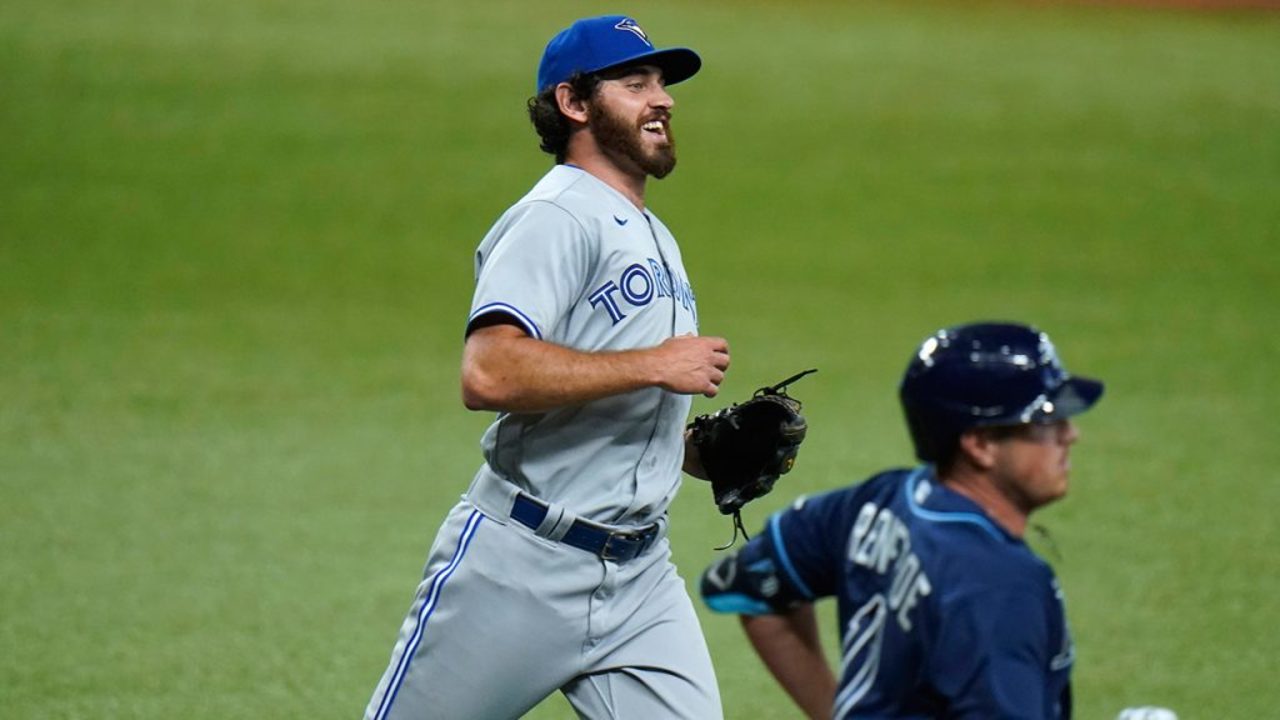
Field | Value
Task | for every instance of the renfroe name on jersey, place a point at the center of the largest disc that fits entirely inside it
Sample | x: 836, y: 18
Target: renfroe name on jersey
x: 880, y: 541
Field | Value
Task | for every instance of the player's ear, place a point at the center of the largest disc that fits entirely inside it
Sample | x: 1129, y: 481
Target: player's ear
x: 978, y: 447
x: 571, y: 106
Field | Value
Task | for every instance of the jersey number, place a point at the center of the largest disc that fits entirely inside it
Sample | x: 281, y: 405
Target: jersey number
x: 861, y: 652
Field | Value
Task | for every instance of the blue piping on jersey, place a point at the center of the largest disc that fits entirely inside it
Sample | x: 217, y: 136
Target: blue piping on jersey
x: 529, y: 325
x: 776, y: 534
x: 737, y: 604
x: 424, y: 613
x: 909, y: 487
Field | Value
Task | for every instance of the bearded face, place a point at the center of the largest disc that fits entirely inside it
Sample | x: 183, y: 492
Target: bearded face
x: 645, y: 141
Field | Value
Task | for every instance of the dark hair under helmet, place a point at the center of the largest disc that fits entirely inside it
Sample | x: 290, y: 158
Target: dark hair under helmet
x: 986, y: 374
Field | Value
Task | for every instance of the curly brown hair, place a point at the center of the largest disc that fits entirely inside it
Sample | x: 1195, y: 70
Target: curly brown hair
x: 553, y: 127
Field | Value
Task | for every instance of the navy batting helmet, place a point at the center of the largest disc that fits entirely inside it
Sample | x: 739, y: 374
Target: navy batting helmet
x: 982, y: 375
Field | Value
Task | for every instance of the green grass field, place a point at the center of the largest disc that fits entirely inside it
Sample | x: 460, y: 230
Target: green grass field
x: 235, y: 262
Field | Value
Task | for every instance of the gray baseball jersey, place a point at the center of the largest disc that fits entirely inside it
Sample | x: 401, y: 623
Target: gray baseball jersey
x: 576, y: 264
x: 511, y: 609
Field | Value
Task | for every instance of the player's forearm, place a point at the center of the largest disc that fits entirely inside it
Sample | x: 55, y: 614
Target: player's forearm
x: 504, y: 369
x: 790, y: 647
x: 510, y: 372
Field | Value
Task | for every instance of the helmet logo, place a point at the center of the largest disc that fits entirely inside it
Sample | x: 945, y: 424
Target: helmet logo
x: 927, y: 350
x: 1021, y: 360
x: 1048, y: 353
x: 1042, y: 404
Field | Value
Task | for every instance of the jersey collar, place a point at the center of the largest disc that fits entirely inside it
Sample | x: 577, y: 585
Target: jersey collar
x: 931, y: 500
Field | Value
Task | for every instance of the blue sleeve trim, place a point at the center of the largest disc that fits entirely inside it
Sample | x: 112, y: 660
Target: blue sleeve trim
x: 776, y: 533
x: 529, y: 325
x: 738, y: 604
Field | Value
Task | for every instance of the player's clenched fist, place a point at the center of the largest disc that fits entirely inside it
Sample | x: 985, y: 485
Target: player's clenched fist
x: 692, y: 364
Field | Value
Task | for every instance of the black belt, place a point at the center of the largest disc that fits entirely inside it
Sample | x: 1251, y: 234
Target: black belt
x: 615, y: 545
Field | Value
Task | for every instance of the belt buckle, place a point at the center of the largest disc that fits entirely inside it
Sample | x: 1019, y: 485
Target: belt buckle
x: 606, y: 551
x: 638, y: 542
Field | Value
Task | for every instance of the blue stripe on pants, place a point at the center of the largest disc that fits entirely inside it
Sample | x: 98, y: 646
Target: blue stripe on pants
x: 424, y: 614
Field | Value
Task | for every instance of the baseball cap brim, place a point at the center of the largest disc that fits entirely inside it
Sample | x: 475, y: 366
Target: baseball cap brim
x: 677, y: 64
x: 1074, y: 396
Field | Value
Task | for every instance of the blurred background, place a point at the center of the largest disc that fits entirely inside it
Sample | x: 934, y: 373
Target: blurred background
x: 236, y: 259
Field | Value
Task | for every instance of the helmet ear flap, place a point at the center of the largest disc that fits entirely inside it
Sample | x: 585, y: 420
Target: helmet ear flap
x: 931, y: 432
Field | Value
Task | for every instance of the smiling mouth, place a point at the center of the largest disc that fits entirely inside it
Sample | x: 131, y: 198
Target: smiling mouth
x: 655, y: 127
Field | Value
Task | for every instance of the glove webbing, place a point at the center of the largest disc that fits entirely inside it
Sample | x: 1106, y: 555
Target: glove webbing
x: 737, y: 525
x: 781, y: 388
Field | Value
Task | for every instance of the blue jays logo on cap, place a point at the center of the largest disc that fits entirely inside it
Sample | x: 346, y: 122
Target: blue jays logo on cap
x: 629, y: 24
x: 602, y: 43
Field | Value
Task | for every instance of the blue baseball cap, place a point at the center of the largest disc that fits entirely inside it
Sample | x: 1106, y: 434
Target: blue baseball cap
x: 593, y: 44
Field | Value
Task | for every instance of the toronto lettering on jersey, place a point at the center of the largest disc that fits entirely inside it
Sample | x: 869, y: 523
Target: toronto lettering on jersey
x: 638, y: 285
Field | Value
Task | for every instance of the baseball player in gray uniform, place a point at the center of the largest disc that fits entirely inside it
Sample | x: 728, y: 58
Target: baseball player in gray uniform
x: 554, y: 572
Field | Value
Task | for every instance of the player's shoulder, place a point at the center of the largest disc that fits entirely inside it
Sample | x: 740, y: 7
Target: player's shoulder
x: 840, y: 506
x: 559, y: 182
x: 951, y: 531
x: 574, y: 192
x: 541, y: 213
x: 970, y: 562
x: 551, y: 199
